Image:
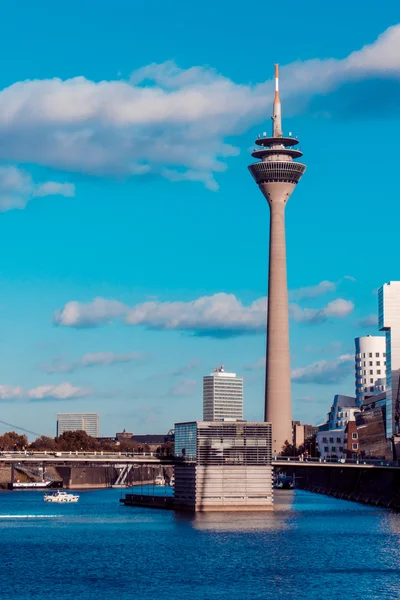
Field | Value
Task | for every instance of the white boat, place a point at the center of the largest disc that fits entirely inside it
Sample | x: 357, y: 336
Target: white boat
x: 61, y: 497
x: 159, y: 480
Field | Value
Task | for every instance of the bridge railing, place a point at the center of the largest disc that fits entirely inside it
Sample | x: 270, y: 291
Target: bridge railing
x: 353, y: 461
x: 101, y: 453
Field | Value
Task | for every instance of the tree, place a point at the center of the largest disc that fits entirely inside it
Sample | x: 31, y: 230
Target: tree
x: 43, y: 443
x: 76, y: 441
x: 13, y: 441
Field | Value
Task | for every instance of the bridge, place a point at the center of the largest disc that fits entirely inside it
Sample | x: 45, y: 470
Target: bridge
x: 92, y: 458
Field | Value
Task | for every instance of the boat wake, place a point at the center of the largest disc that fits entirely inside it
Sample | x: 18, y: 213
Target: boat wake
x: 28, y: 516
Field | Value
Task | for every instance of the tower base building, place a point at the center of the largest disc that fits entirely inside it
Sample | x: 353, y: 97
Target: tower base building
x: 224, y: 466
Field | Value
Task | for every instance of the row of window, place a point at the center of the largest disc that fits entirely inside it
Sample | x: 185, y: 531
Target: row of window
x: 370, y: 363
x: 339, y: 448
x: 377, y: 354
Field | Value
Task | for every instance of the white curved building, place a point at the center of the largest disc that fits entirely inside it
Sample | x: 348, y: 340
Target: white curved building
x: 370, y: 366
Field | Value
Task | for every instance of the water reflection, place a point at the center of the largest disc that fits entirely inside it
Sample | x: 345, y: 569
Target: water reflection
x: 277, y: 519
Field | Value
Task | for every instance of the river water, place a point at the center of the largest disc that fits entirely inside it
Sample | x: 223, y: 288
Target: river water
x: 310, y: 547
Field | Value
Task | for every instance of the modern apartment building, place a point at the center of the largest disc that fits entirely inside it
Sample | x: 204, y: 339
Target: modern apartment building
x: 389, y: 322
x: 222, y: 396
x: 88, y: 422
x: 370, y: 366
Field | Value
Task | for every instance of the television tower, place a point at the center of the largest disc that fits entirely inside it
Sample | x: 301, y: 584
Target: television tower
x: 277, y: 175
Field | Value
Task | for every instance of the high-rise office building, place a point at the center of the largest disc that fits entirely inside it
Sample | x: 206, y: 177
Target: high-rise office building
x: 370, y: 366
x: 222, y: 396
x: 389, y: 322
x: 88, y: 422
x: 277, y: 175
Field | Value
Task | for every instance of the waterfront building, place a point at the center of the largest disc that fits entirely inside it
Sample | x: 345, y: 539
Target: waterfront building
x: 302, y: 433
x: 371, y: 428
x: 389, y: 322
x: 339, y: 443
x: 370, y: 366
x: 222, y: 396
x: 343, y: 410
x: 277, y: 175
x: 88, y: 422
x: 223, y: 466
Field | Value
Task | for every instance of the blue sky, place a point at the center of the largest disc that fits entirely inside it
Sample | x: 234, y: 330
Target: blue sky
x: 134, y: 242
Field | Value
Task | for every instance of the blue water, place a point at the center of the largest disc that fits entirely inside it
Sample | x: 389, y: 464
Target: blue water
x: 311, y: 547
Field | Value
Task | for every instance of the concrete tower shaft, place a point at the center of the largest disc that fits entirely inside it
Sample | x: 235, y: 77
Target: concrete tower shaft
x: 277, y: 175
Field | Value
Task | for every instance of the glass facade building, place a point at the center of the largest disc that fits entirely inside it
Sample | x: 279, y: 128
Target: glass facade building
x: 224, y: 443
x: 389, y: 322
x: 88, y: 422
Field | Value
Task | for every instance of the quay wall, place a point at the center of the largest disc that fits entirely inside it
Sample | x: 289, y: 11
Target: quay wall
x: 379, y: 486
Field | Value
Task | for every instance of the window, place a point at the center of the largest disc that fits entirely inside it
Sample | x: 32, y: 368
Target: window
x: 324, y: 440
x: 378, y: 371
x: 371, y: 380
x: 377, y: 354
x: 354, y: 435
x: 371, y: 389
x: 365, y: 381
x: 340, y: 448
x: 333, y: 449
x: 355, y: 446
x: 384, y: 355
x: 370, y: 363
x: 370, y: 354
x: 363, y: 354
x: 331, y: 440
x: 378, y: 363
x: 326, y: 449
x: 364, y: 363
x: 371, y: 372
x: 338, y: 440
x: 365, y: 372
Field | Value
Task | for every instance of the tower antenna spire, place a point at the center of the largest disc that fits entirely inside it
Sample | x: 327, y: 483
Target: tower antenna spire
x: 277, y: 115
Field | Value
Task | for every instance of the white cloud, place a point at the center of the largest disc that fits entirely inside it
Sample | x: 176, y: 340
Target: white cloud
x: 9, y: 392
x: 61, y: 391
x: 337, y: 309
x: 313, y: 290
x: 256, y: 366
x: 97, y: 312
x: 90, y: 360
x: 17, y: 188
x: 325, y: 371
x: 165, y: 120
x: 369, y: 321
x: 220, y: 315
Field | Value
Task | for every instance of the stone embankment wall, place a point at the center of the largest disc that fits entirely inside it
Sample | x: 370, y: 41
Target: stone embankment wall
x: 89, y: 476
x: 379, y: 486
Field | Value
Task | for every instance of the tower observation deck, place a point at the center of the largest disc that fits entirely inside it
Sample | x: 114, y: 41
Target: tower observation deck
x: 277, y: 175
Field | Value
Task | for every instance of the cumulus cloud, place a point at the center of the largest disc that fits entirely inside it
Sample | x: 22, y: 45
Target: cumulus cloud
x: 164, y: 120
x: 92, y: 359
x: 337, y: 309
x: 61, y: 391
x: 325, y: 371
x: 97, y: 312
x: 219, y: 315
x: 369, y: 321
x: 17, y: 188
x: 313, y: 290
